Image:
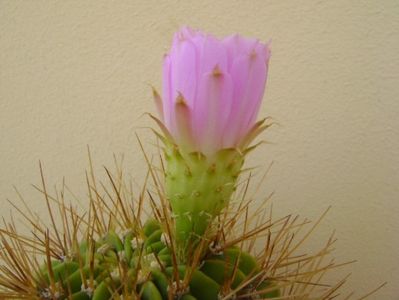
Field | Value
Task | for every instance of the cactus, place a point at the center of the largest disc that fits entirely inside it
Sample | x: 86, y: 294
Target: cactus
x: 139, y: 264
x: 105, y: 252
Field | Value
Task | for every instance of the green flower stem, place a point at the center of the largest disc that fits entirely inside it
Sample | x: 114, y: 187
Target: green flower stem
x: 199, y: 188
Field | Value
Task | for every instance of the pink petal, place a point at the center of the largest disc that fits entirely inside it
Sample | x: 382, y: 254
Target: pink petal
x: 212, y: 109
x: 183, y: 124
x: 255, y: 88
x: 239, y: 74
x: 256, y: 95
x: 184, y: 70
x: 212, y: 53
x: 249, y: 75
x: 237, y: 45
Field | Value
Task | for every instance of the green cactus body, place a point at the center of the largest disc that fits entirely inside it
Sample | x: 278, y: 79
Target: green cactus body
x: 216, y: 275
x: 198, y: 188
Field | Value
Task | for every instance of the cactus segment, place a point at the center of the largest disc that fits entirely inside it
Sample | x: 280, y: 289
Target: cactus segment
x: 247, y: 263
x: 222, y: 272
x: 161, y: 282
x: 150, y: 226
x: 102, y: 292
x: 150, y: 292
x: 146, y: 271
x: 201, y: 286
x: 266, y: 285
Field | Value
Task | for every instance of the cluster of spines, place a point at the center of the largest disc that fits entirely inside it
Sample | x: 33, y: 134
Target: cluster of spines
x: 139, y: 264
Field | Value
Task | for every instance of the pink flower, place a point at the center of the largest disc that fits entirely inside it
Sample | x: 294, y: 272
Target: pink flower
x: 212, y: 89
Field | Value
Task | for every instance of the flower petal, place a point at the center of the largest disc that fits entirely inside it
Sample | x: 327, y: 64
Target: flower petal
x: 236, y: 46
x: 212, y: 109
x: 212, y: 53
x: 183, y: 124
x: 249, y: 76
x: 184, y: 69
x: 255, y: 88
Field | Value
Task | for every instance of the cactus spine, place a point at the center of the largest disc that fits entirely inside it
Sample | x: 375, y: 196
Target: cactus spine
x: 105, y: 253
x: 140, y: 265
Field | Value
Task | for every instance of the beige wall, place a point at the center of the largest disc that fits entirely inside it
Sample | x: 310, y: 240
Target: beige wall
x: 76, y: 72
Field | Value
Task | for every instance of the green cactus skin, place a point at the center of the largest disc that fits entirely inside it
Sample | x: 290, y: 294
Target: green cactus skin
x: 145, y: 278
x: 150, y: 292
x: 198, y: 188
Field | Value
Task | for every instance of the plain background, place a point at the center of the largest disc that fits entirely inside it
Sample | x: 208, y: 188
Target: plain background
x: 74, y: 73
